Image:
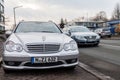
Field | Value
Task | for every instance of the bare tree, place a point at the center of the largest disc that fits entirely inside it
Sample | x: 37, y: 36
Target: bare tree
x: 116, y: 12
x: 101, y: 16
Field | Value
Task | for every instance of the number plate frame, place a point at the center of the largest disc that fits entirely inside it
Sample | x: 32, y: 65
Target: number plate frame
x: 44, y: 59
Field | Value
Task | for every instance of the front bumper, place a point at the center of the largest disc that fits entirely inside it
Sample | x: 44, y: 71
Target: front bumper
x: 83, y: 42
x: 25, y: 62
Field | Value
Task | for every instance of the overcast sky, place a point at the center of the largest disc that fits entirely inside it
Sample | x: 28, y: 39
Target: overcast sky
x: 45, y: 10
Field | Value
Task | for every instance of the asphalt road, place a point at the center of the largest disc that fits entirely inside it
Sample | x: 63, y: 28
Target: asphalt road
x: 111, y: 42
x: 52, y: 74
x: 105, y: 58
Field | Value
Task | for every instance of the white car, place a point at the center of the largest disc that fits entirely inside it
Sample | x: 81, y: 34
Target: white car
x: 82, y: 35
x: 103, y: 32
x: 39, y: 45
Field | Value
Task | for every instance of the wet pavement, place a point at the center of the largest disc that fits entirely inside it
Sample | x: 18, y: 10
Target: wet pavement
x: 104, y: 59
x: 50, y: 74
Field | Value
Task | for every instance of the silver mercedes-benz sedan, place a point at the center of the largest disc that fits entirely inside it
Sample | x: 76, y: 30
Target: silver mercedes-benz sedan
x: 39, y: 45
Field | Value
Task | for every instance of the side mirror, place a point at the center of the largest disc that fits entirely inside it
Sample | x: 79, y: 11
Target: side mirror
x: 8, y: 33
x: 67, y: 33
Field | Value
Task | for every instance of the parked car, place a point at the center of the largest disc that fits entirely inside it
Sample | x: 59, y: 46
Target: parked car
x: 39, y: 45
x: 82, y: 35
x: 104, y: 32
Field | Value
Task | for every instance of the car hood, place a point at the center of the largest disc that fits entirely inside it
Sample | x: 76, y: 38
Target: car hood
x: 84, y: 34
x: 40, y: 38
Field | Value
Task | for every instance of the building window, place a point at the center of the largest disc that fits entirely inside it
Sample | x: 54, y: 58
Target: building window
x: 2, y: 19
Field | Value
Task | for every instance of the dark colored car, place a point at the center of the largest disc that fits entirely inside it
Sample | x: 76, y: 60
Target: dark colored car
x: 82, y: 35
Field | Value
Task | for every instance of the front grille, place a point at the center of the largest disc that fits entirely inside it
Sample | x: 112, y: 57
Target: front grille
x: 43, y: 64
x: 43, y: 47
x: 90, y: 37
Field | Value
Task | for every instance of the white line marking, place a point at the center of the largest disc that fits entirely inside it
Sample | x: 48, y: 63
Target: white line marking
x: 110, y: 46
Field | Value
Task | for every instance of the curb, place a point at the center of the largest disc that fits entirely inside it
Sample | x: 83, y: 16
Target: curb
x: 95, y: 73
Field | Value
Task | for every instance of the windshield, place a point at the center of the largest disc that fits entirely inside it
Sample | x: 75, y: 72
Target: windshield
x: 46, y: 27
x: 106, y: 29
x: 79, y: 29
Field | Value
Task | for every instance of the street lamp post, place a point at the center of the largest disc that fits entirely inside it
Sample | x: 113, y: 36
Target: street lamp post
x: 15, y: 14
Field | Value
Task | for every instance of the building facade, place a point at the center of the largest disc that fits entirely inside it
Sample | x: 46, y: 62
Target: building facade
x: 2, y: 17
x: 90, y: 24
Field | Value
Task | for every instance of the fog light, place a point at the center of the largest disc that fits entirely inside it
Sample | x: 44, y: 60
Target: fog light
x: 73, y: 60
x: 11, y: 63
x: 70, y: 61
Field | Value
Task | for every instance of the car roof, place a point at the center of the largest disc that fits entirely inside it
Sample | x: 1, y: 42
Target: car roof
x: 36, y: 21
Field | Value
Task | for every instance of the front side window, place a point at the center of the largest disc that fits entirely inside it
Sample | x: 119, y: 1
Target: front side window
x: 46, y: 27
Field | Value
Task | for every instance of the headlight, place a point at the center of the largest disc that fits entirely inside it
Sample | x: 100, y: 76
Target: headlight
x: 11, y: 46
x: 98, y: 37
x: 80, y: 37
x: 70, y: 46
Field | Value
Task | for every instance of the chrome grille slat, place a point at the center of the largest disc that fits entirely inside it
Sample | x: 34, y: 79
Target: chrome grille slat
x: 44, y: 48
x: 34, y: 48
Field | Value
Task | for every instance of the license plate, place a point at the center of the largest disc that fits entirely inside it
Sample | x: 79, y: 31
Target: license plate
x: 44, y: 59
x: 91, y: 40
